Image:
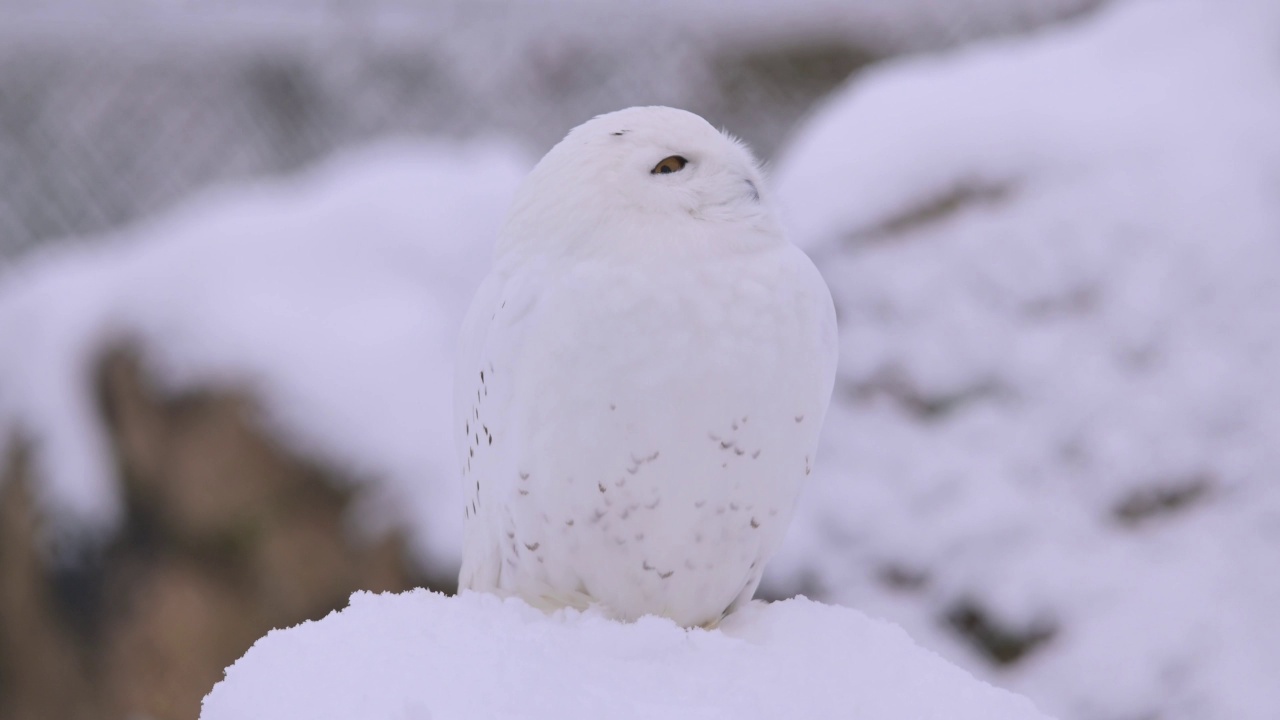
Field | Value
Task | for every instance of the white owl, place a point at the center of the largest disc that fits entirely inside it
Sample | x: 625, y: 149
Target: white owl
x: 642, y: 377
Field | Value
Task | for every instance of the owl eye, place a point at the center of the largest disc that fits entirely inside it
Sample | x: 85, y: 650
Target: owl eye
x: 675, y: 163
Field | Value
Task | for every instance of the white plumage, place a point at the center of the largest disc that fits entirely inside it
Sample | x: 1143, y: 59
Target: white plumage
x: 641, y: 378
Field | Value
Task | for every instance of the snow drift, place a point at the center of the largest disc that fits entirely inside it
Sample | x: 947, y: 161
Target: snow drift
x: 419, y: 655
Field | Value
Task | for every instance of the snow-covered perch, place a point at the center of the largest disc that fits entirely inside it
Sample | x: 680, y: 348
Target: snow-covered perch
x: 419, y: 655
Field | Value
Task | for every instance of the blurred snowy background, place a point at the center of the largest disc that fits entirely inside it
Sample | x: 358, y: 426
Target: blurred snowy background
x: 115, y: 110
x: 236, y: 240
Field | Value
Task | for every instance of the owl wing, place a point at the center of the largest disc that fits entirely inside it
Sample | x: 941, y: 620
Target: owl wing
x: 489, y: 346
x: 481, y: 560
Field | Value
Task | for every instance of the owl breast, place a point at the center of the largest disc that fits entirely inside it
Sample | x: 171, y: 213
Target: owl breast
x: 656, y: 429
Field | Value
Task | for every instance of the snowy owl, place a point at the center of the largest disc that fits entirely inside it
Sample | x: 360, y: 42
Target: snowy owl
x: 641, y: 378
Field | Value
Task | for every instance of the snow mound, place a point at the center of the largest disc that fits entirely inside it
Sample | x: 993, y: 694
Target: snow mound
x: 1054, y: 446
x: 334, y: 297
x: 423, y: 655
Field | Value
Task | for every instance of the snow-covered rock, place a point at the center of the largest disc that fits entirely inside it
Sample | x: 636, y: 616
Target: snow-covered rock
x: 1056, y: 441
x: 333, y: 298
x: 418, y: 655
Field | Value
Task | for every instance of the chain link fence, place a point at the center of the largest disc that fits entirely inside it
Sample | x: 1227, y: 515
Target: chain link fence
x: 110, y: 112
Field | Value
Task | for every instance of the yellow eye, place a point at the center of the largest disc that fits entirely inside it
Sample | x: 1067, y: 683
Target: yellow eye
x: 675, y: 163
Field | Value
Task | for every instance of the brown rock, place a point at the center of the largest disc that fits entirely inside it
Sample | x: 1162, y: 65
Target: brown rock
x: 42, y: 673
x: 226, y: 536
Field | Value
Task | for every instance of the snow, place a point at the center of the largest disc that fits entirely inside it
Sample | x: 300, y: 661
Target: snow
x: 334, y: 297
x: 420, y: 655
x: 1057, y: 265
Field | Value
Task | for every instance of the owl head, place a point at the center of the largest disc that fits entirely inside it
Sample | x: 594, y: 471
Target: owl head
x: 644, y: 178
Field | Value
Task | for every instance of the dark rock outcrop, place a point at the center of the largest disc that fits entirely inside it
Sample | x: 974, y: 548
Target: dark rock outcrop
x: 225, y: 536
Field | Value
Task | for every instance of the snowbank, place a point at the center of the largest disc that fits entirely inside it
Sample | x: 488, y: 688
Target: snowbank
x: 334, y: 297
x: 1057, y: 265
x: 421, y: 655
